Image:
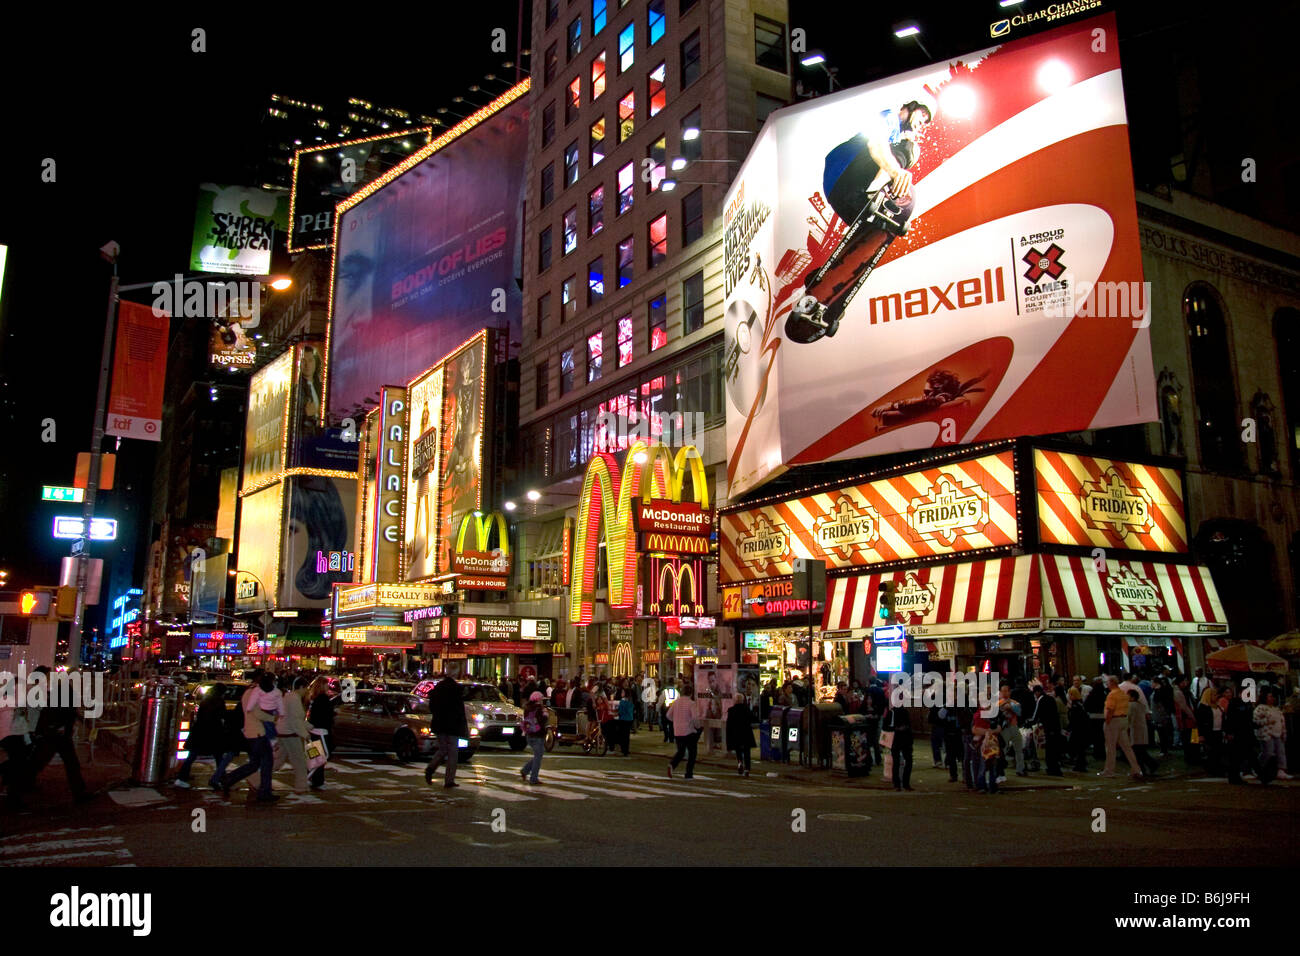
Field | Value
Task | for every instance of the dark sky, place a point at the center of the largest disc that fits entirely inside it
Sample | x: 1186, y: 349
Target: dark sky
x: 134, y: 121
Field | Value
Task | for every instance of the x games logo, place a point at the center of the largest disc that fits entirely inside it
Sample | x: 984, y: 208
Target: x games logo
x: 1044, y: 263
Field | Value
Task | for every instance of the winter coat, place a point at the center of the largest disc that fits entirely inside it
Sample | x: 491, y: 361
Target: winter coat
x: 740, y: 729
x: 1137, y: 721
x: 207, y: 733
x: 447, y: 709
x: 321, y: 713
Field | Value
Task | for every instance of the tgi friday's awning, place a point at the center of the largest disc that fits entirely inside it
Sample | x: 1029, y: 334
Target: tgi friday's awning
x: 1034, y: 592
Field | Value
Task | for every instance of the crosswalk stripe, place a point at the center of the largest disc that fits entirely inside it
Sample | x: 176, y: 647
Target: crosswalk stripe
x: 44, y: 846
x: 694, y: 788
x: 62, y: 859
x: 639, y: 789
x: 51, y: 833
x: 545, y: 791
x: 495, y: 794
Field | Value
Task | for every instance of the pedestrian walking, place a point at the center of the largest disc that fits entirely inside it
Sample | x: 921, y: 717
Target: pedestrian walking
x: 626, y: 716
x: 952, y: 741
x: 1238, y: 737
x: 1095, y: 704
x: 936, y: 736
x: 1010, y: 713
x: 208, y: 737
x: 536, y: 719
x: 320, y: 717
x: 898, y: 724
x: 1047, y: 718
x: 256, y: 723
x: 292, y: 733
x: 447, y: 716
x: 1117, y: 730
x: 16, y: 741
x: 53, y: 729
x: 687, y: 725
x: 1270, y: 731
x: 1138, y: 730
x: 607, y: 717
x: 1080, y: 728
x: 1162, y: 713
x: 740, y: 733
x: 665, y: 701
x: 987, y: 743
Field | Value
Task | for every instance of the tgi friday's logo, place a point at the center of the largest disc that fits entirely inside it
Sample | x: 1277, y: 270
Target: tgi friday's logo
x: 847, y: 528
x: 949, y: 511
x: 912, y: 598
x: 1133, y: 592
x: 766, y: 542
x: 1110, y: 504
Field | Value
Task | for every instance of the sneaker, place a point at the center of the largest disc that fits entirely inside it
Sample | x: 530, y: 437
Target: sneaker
x: 1283, y: 775
x: 1249, y: 776
x: 534, y: 783
x: 428, y: 775
x: 1001, y: 779
x: 181, y: 784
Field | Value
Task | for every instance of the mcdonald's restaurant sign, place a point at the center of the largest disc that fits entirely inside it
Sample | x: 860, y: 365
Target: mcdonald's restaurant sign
x: 674, y: 586
x: 479, y: 567
x: 608, y: 505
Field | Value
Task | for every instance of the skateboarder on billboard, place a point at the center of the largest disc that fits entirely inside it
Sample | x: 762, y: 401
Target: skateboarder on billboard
x: 867, y: 181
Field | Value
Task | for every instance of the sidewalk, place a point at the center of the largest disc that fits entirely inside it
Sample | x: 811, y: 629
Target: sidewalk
x: 53, y: 792
x: 924, y: 775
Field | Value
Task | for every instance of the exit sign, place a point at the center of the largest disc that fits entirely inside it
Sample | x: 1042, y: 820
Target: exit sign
x: 55, y: 493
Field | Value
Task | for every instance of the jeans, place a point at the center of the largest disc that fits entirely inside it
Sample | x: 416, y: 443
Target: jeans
x: 57, y: 742
x: 538, y: 746
x: 988, y: 775
x: 902, y: 754
x: 668, y: 727
x: 259, y: 762
x: 972, y: 762
x: 742, y: 758
x: 624, y: 736
x: 447, y: 752
x: 1273, y: 747
x: 1013, y: 740
x: 687, y: 745
x: 222, y: 760
x: 952, y: 747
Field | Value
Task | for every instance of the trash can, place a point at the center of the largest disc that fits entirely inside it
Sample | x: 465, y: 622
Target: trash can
x: 765, y: 740
x: 850, y: 746
x: 793, y: 737
x: 820, y: 717
x: 776, y: 734
x: 156, y: 741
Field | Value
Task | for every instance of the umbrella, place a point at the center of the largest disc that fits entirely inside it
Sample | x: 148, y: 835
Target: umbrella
x: 1287, y: 644
x: 1245, y: 659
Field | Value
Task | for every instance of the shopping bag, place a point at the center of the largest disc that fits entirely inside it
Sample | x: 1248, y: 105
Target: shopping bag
x: 1196, y: 736
x: 317, y: 754
x: 886, y: 739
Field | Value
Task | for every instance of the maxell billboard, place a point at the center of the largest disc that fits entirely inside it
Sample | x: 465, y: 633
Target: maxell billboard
x: 935, y: 259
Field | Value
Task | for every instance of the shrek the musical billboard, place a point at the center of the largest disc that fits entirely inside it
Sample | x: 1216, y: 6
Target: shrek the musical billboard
x: 921, y: 261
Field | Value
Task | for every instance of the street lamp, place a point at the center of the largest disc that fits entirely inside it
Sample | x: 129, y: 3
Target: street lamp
x: 693, y: 132
x: 909, y: 28
x: 818, y: 59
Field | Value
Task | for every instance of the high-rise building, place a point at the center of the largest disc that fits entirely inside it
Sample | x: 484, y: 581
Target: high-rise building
x: 623, y: 284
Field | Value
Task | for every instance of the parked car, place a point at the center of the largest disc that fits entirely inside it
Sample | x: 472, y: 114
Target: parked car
x: 391, y: 722
x: 490, y: 715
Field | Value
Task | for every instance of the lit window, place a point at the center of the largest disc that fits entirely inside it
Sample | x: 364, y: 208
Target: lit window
x: 595, y: 280
x: 626, y: 53
x: 596, y: 141
x: 769, y: 44
x: 658, y: 239
x: 691, y: 59
x: 598, y: 76
x: 597, y: 16
x: 655, y: 20
x: 566, y: 372
x: 573, y: 101
x: 624, y: 340
x: 575, y: 38
x: 569, y: 298
x: 626, y: 181
x: 689, y: 149
x: 570, y: 164
x: 594, y: 349
x: 657, y: 89
x: 626, y: 116
x: 625, y: 257
x: 658, y: 321
x: 658, y: 154
x: 570, y: 229
x: 596, y: 210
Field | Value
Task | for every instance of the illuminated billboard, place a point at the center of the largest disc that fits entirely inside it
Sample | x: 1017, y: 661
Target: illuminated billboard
x: 942, y: 257
x: 318, y: 533
x: 461, y: 468
x: 323, y: 175
x: 267, y: 422
x: 258, y: 557
x: 423, y: 447
x: 383, y: 477
x: 234, y: 228
x: 427, y: 255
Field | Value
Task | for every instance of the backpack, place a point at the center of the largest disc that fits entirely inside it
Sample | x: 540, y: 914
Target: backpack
x: 533, y: 722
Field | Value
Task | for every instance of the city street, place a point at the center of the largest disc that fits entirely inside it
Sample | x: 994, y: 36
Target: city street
x: 376, y: 811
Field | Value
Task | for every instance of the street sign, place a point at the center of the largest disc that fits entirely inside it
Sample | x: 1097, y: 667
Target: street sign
x: 889, y: 634
x: 69, y: 526
x: 57, y: 493
x: 78, y: 546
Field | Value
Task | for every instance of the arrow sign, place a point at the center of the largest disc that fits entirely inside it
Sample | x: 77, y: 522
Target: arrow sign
x: 889, y: 634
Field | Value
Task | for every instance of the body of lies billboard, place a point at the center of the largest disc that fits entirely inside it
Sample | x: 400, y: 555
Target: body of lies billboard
x: 966, y: 505
x: 944, y: 257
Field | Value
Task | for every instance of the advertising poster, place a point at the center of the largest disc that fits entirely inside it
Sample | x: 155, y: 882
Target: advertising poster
x: 312, y: 444
x: 323, y: 175
x: 942, y: 257
x: 208, y: 587
x: 227, y: 503
x: 425, y: 258
x: 424, y: 418
x: 234, y: 228
x: 182, y: 540
x: 318, y: 539
x: 462, y: 442
x: 261, y: 520
x: 139, y: 373
x: 268, y: 417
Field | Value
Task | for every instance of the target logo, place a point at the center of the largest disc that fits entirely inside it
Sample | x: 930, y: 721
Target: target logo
x: 467, y: 628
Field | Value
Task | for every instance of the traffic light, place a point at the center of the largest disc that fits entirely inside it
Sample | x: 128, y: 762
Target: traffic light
x: 888, y: 592
x: 27, y: 602
x: 65, y: 603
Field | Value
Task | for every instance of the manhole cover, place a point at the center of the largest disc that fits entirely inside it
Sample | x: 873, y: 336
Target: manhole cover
x: 843, y: 817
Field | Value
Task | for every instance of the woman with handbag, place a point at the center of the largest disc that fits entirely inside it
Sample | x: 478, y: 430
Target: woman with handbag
x: 896, y: 734
x: 320, y: 715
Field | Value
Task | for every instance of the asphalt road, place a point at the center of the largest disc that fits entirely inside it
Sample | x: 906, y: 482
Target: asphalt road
x: 611, y: 809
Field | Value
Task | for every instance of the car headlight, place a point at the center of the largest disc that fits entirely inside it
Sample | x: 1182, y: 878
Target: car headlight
x: 426, y: 731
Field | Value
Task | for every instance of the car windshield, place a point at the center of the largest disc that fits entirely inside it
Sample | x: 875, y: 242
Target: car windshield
x: 407, y: 704
x: 483, y: 692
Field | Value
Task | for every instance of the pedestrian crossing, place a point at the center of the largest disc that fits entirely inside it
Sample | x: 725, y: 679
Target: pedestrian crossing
x: 72, y: 846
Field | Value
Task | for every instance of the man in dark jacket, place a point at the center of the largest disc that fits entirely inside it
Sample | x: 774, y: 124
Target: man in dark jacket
x: 740, y: 733
x: 52, y: 735
x: 1046, y: 715
x: 447, y: 716
x: 207, y: 737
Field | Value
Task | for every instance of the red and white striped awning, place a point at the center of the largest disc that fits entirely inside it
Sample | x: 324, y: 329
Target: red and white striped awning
x: 1034, y: 592
x: 943, y: 600
x: 1213, y: 644
x: 1129, y: 597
